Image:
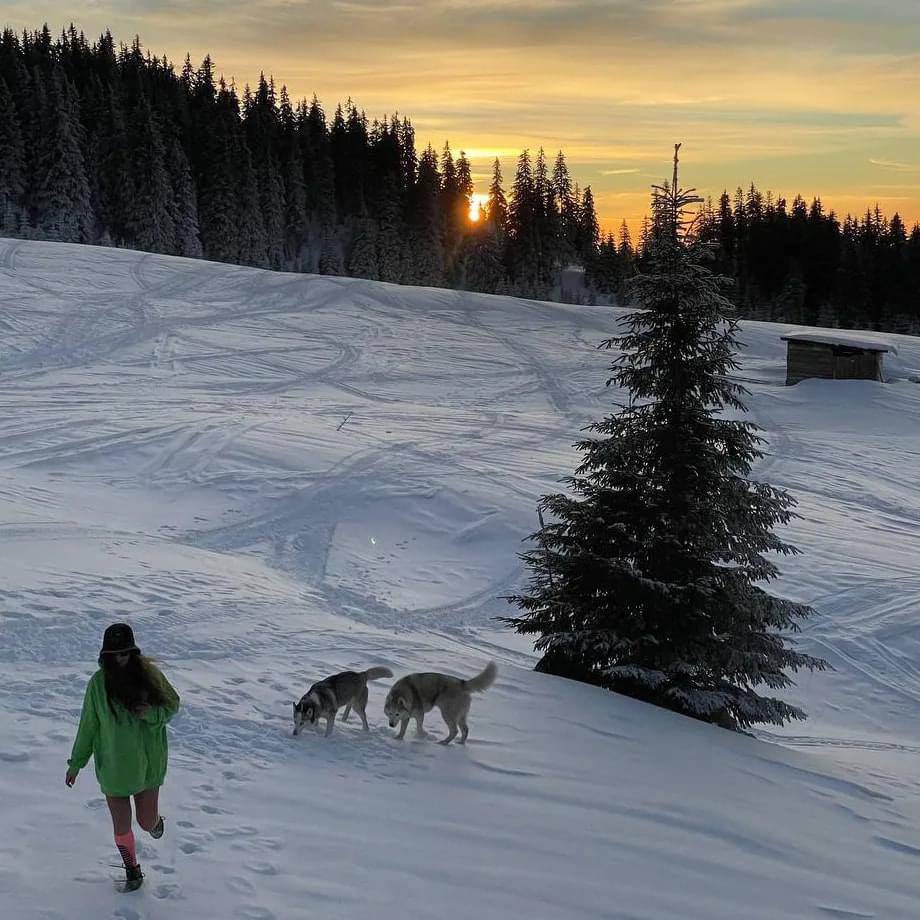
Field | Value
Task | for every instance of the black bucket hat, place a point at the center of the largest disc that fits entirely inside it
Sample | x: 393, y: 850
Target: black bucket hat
x: 118, y: 639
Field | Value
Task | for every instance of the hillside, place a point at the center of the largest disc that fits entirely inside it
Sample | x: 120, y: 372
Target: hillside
x: 276, y: 476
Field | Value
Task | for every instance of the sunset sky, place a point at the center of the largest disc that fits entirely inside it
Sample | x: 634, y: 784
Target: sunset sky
x: 820, y: 97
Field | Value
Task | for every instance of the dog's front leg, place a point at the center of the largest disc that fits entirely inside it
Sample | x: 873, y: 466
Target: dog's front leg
x: 403, y: 725
x: 420, y: 725
x: 330, y: 721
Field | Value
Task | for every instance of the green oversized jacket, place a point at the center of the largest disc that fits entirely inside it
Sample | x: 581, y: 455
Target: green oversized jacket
x: 130, y: 751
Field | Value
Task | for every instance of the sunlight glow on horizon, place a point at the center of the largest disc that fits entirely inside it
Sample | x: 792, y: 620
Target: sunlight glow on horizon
x: 478, y: 206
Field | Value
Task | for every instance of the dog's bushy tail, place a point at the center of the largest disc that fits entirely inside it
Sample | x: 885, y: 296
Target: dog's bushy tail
x: 483, y: 680
x: 377, y: 673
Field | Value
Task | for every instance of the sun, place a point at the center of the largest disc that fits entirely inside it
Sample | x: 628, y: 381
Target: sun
x: 477, y: 207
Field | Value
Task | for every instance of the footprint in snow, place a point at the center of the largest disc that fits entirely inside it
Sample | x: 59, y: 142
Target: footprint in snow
x: 261, y: 868
x: 127, y: 913
x: 166, y: 892
x: 240, y: 885
x: 254, y: 913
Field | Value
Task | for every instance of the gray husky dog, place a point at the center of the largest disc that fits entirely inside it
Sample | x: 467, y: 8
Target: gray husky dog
x: 415, y: 694
x: 326, y: 698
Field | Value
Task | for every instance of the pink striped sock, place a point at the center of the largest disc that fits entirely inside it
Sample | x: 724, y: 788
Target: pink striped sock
x: 125, y: 844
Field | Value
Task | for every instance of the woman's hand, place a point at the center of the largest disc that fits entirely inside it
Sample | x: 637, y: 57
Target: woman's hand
x: 71, y: 778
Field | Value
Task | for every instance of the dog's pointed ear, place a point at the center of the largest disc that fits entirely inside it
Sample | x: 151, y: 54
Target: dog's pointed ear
x: 295, y: 706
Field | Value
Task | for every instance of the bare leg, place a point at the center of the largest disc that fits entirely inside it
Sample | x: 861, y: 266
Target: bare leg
x: 147, y: 808
x: 403, y: 725
x: 120, y: 809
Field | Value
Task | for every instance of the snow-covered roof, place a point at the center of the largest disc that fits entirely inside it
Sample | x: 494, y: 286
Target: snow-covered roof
x: 832, y: 338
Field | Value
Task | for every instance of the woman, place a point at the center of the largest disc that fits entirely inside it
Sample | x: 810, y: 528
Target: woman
x: 123, y: 725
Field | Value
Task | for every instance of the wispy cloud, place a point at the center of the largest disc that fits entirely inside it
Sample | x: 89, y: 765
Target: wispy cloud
x: 618, y: 172
x: 896, y: 167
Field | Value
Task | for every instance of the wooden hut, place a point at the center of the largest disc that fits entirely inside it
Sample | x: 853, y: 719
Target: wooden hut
x: 831, y: 357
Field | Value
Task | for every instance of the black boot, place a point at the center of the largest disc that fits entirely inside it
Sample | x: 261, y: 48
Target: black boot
x: 134, y: 878
x: 158, y: 829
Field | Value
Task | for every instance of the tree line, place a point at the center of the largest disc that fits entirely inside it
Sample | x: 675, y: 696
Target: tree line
x: 112, y: 145
x: 795, y: 263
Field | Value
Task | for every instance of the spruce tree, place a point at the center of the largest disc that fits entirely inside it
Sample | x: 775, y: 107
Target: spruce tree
x: 216, y: 144
x: 362, y: 261
x: 253, y: 242
x: 483, y: 268
x: 497, y: 204
x: 12, y: 166
x: 564, y: 208
x: 62, y: 195
x: 648, y: 579
x: 426, y: 248
x: 464, y: 192
x: 390, y: 233
x: 588, y: 229
x: 185, y: 204
x: 152, y: 217
x: 523, y: 246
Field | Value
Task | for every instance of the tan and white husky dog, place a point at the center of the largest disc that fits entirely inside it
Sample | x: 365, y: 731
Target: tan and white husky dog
x: 415, y: 694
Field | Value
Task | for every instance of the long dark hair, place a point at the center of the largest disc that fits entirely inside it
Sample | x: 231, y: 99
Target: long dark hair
x: 131, y: 685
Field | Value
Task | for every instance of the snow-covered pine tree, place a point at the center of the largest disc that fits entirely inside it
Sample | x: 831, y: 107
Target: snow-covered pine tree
x: 253, y: 242
x: 564, y: 203
x: 215, y: 149
x: 362, y: 260
x: 625, y: 246
x: 648, y: 577
x: 497, y: 204
x: 588, y: 231
x: 330, y: 255
x: 426, y: 249
x: 483, y: 268
x: 295, y: 193
x: 185, y: 204
x: 12, y: 166
x: 390, y: 233
x: 464, y: 188
x: 523, y: 245
x: 62, y: 196
x: 151, y: 223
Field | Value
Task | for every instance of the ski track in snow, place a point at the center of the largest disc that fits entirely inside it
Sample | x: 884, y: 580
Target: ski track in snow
x: 274, y: 477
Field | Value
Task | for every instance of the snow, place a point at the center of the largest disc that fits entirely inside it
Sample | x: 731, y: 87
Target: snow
x: 173, y: 453
x: 846, y: 339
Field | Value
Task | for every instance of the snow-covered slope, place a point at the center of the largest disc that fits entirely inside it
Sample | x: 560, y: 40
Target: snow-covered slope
x: 273, y: 477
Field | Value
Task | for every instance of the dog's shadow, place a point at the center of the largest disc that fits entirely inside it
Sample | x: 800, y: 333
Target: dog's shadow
x: 350, y: 751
